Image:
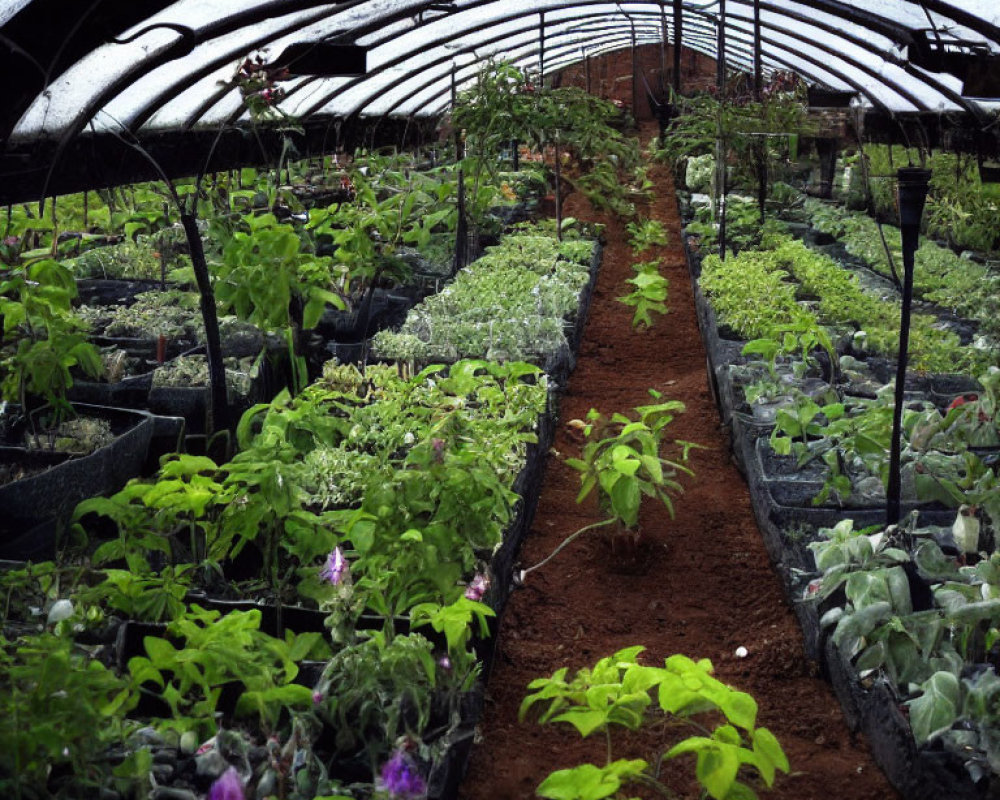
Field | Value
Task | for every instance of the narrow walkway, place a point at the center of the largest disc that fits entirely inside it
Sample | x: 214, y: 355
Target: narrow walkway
x: 707, y: 587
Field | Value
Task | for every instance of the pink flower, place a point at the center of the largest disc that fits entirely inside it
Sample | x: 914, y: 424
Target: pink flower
x: 227, y: 787
x: 317, y: 698
x: 444, y: 662
x: 336, y: 570
x: 477, y: 588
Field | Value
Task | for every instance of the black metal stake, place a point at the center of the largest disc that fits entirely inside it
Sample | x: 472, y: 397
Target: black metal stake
x: 218, y: 407
x: 913, y: 182
x: 558, y: 193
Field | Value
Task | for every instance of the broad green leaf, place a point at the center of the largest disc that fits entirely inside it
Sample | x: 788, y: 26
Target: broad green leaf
x: 936, y: 709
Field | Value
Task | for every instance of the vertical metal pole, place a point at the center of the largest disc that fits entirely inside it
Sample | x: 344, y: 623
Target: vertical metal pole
x: 758, y: 70
x: 635, y: 70
x: 541, y: 49
x: 558, y: 191
x: 720, y: 48
x: 913, y: 183
x: 678, y: 43
x: 663, y: 48
x: 586, y: 69
x: 720, y: 147
x: 461, y: 229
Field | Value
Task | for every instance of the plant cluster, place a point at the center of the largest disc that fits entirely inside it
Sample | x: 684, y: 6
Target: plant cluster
x: 41, y: 337
x: 841, y: 302
x: 960, y: 208
x: 620, y: 693
x: 511, y: 304
x: 649, y: 295
x: 936, y: 646
x: 955, y: 283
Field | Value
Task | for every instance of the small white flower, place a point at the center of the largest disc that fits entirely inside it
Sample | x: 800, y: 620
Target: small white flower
x: 61, y: 609
x: 409, y: 438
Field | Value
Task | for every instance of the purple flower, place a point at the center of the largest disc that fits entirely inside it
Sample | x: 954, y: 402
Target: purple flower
x: 10, y: 241
x: 336, y: 570
x: 478, y: 587
x: 401, y: 779
x: 317, y: 698
x: 437, y: 446
x: 227, y: 787
x: 444, y: 662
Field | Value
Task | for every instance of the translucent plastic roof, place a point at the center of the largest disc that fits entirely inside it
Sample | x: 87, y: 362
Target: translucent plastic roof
x: 176, y: 67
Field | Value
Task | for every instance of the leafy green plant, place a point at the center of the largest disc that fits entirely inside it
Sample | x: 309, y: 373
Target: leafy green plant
x: 622, y: 460
x: 646, y: 234
x: 378, y: 689
x: 649, y: 295
x: 216, y: 650
x: 59, y: 711
x: 41, y: 339
x: 619, y: 692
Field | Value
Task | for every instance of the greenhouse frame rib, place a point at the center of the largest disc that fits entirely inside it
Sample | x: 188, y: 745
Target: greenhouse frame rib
x: 110, y: 71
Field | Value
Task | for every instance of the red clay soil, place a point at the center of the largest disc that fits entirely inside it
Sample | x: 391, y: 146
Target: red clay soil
x: 706, y: 587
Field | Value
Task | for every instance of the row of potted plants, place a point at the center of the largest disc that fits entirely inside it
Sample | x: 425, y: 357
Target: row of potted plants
x: 811, y: 417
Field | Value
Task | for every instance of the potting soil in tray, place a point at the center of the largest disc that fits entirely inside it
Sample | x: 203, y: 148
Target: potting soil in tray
x: 53, y: 494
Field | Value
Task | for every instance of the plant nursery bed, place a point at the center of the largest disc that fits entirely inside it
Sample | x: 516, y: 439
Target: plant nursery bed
x: 704, y: 586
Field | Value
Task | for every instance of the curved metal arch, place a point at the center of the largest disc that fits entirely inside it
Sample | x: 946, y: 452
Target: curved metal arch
x: 443, y: 95
x: 895, y: 87
x: 217, y: 28
x: 442, y: 40
x: 709, y: 38
x: 942, y: 88
x: 826, y: 67
x: 964, y: 18
x: 832, y: 7
x: 530, y: 27
x: 241, y: 19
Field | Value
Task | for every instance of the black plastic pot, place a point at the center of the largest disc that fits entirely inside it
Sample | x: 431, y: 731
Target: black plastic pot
x: 917, y: 773
x: 41, y: 505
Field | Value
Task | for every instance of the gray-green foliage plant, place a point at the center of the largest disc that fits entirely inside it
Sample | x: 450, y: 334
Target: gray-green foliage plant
x: 926, y: 654
x: 511, y: 304
x: 619, y: 693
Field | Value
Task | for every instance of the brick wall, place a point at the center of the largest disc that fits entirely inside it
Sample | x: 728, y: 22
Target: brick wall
x: 611, y: 75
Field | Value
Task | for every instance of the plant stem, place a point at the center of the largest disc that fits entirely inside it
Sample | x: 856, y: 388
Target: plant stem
x: 566, y: 541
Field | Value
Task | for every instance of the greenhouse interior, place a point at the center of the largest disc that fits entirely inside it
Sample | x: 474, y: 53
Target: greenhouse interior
x: 485, y: 400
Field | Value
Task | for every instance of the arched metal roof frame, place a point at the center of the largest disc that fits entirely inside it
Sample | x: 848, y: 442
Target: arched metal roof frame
x: 884, y: 29
x: 321, y: 103
x: 389, y: 14
x: 708, y: 49
x: 441, y: 100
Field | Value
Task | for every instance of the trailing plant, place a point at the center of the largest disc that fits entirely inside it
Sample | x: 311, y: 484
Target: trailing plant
x: 649, y: 295
x: 619, y: 692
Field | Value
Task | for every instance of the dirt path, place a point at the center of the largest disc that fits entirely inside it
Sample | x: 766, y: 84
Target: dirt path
x: 708, y: 587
